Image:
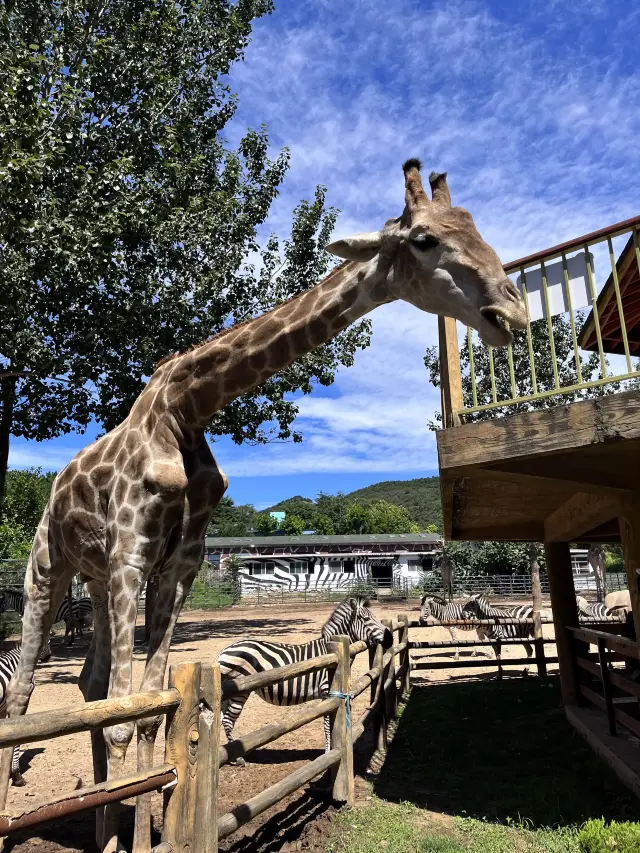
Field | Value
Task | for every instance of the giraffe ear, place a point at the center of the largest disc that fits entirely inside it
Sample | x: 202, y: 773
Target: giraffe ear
x: 361, y: 248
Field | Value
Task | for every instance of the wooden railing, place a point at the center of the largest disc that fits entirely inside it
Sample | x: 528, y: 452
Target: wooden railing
x: 193, y: 754
x: 615, y: 690
x: 514, y: 380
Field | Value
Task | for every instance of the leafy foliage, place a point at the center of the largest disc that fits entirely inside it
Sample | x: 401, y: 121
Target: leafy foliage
x: 26, y: 495
x: 292, y: 525
x: 127, y: 224
x: 596, y: 836
x: 266, y: 524
x: 15, y: 541
x: 565, y: 360
x: 230, y: 519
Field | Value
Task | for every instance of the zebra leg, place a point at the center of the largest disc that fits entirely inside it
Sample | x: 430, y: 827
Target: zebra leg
x: 45, y: 652
x: 498, y: 651
x: 454, y: 636
x: 16, y: 775
x: 529, y: 650
x: 326, y: 722
x: 231, y: 710
x: 481, y: 636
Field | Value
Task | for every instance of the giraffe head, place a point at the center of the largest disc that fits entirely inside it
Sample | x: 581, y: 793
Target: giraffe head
x: 440, y: 263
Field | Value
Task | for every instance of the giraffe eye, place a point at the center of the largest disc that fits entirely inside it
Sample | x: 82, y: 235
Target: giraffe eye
x: 424, y: 242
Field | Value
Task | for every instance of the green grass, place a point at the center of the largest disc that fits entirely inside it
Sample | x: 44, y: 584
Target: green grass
x: 490, y: 768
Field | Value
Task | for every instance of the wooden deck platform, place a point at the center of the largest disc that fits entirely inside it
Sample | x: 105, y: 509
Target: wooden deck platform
x: 557, y: 474
x: 621, y: 752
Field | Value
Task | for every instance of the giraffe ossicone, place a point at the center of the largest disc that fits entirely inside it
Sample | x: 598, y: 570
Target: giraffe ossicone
x: 138, y: 500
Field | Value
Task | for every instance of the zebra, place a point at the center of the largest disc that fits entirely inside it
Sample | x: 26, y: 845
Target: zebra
x: 595, y: 610
x: 351, y: 617
x: 81, y: 616
x: 442, y: 611
x: 479, y: 607
x: 9, y: 661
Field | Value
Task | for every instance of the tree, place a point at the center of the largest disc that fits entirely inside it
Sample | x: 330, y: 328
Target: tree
x: 15, y: 541
x: 334, y: 507
x: 323, y: 525
x: 432, y: 528
x: 385, y: 517
x: 126, y: 224
x: 566, y: 365
x: 266, y: 524
x: 232, y: 572
x: 304, y: 508
x: 26, y: 495
x: 357, y: 519
x: 230, y: 519
x: 292, y: 525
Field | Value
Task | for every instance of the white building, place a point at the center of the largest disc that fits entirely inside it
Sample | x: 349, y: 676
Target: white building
x: 327, y: 562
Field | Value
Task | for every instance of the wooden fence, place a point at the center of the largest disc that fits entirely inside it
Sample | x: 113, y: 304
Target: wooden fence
x: 189, y: 776
x: 538, y: 641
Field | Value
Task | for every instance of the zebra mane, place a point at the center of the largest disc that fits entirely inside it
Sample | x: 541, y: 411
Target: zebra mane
x: 344, y: 613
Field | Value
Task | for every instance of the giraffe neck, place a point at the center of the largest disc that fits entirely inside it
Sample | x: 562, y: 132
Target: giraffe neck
x: 199, y: 383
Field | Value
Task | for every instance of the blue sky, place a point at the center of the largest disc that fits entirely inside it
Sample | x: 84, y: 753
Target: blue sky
x: 532, y: 108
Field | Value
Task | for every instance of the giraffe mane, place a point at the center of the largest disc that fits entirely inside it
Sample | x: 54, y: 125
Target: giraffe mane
x: 221, y: 334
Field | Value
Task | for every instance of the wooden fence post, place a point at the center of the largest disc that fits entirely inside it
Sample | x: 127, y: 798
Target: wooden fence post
x: 343, y: 782
x: 378, y: 699
x: 541, y: 661
x: 181, y: 750
x: 206, y: 825
x: 391, y: 701
x: 405, y: 656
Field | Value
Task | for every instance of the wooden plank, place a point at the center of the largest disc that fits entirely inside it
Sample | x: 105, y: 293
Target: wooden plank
x: 88, y: 798
x: 539, y: 480
x: 565, y: 612
x: 92, y: 715
x: 391, y: 699
x: 621, y: 645
x: 343, y: 782
x: 629, y: 521
x: 242, y: 746
x: 427, y: 663
x: 181, y: 745
x: 206, y: 824
x: 405, y: 658
x: 367, y: 680
x: 617, y: 752
x: 245, y: 812
x: 578, y: 515
x: 450, y: 373
x: 542, y: 433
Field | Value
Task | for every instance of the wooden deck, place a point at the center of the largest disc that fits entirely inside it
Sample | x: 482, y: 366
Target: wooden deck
x: 557, y: 474
x: 621, y: 752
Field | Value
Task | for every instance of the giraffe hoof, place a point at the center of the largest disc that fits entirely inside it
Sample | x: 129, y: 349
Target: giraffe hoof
x: 17, y: 781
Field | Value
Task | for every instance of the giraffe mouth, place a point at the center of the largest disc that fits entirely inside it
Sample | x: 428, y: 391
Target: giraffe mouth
x: 493, y: 329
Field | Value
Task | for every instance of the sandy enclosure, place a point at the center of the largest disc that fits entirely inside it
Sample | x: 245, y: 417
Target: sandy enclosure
x: 61, y: 764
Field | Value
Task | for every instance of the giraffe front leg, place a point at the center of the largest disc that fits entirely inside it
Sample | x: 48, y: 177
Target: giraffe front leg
x: 166, y: 609
x: 123, y: 591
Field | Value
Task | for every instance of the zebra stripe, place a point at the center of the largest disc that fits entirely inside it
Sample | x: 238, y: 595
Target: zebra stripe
x: 9, y: 661
x: 595, y: 610
x: 81, y: 615
x: 352, y: 618
x: 479, y: 607
x: 442, y: 611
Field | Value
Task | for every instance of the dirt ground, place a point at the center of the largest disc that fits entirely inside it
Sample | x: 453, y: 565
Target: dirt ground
x: 54, y: 766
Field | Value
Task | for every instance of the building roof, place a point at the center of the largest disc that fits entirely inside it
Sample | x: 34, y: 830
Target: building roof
x: 608, y: 313
x: 349, y: 539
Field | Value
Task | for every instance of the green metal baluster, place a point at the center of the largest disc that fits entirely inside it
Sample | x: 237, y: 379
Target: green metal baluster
x: 474, y: 391
x: 529, y: 338
x: 552, y: 344
x: 616, y: 285
x: 594, y: 303
x: 576, y: 353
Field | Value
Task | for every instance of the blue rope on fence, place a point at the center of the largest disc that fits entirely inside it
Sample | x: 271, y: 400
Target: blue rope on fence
x: 346, y: 697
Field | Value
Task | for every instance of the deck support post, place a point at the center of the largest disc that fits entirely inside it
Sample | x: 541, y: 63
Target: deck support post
x: 565, y: 612
x: 629, y: 521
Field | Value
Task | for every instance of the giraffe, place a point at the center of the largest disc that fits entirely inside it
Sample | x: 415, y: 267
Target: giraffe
x: 137, y: 501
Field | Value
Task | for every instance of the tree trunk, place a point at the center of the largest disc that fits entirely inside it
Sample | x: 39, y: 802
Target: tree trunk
x: 8, y: 390
x: 536, y: 589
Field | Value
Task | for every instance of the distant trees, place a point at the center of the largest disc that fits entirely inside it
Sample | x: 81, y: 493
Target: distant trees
x: 26, y: 495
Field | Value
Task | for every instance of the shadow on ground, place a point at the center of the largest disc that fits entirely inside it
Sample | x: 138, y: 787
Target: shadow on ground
x: 501, y: 751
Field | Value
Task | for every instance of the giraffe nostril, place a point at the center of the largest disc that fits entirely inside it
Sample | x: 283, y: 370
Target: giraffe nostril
x: 511, y: 291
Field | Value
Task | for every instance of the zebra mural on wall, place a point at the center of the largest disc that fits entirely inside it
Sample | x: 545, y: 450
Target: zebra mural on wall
x: 351, y: 618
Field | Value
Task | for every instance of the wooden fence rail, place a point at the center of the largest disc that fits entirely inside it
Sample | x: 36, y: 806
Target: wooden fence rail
x: 193, y: 755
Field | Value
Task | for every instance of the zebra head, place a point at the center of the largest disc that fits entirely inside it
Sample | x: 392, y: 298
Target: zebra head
x: 354, y: 619
x: 430, y: 605
x: 476, y: 607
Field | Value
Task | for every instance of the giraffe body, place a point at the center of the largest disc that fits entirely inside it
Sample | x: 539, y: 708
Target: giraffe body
x: 136, y: 502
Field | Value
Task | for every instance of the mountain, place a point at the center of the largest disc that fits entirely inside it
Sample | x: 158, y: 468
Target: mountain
x: 421, y: 497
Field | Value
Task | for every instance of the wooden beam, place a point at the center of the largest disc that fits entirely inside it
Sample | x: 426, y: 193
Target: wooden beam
x: 578, y: 515
x: 541, y: 433
x: 629, y: 520
x: 476, y: 472
x: 450, y: 373
x: 565, y: 613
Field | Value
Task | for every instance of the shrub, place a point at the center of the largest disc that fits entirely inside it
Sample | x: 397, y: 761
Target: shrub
x: 597, y: 837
